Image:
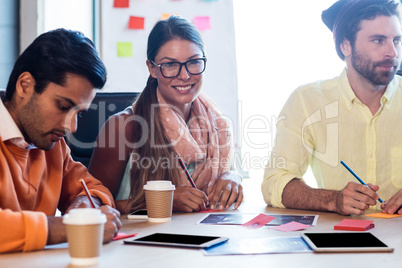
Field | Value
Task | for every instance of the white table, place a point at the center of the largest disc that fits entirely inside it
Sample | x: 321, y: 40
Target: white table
x: 116, y: 254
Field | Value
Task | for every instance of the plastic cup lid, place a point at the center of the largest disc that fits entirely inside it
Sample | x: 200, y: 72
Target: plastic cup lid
x: 159, y: 186
x: 81, y: 216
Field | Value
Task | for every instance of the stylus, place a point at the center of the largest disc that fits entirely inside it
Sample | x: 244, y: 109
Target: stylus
x: 357, y: 177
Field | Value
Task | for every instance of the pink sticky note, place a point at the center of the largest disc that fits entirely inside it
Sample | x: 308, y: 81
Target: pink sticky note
x: 123, y: 236
x: 121, y: 3
x: 290, y: 227
x: 136, y: 23
x: 259, y: 221
x: 202, y: 23
x: 354, y: 225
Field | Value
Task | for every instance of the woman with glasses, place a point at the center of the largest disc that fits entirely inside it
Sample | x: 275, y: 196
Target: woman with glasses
x: 171, y: 123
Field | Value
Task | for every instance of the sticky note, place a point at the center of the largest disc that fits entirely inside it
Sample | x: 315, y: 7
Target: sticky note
x: 291, y: 226
x: 383, y: 215
x: 123, y: 236
x: 259, y: 221
x: 136, y: 23
x: 121, y: 3
x: 354, y: 225
x: 165, y: 16
x: 124, y: 49
x: 202, y: 23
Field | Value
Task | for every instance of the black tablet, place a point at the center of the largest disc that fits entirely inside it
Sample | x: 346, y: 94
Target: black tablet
x: 345, y: 242
x: 178, y: 240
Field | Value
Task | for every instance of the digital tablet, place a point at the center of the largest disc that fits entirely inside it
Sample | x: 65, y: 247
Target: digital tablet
x: 178, y: 240
x: 345, y: 242
x: 140, y: 214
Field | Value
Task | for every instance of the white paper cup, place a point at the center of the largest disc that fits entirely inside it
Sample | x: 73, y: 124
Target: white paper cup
x: 159, y: 200
x: 84, y: 228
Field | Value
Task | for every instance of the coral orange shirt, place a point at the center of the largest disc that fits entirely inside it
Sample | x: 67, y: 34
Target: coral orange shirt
x: 33, y: 184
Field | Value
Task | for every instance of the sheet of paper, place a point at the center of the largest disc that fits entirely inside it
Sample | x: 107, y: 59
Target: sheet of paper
x: 259, y: 245
x: 383, y: 215
x: 241, y: 218
x: 202, y: 23
x: 121, y: 3
x: 124, y: 49
x: 136, y: 23
x: 259, y: 221
x: 290, y: 227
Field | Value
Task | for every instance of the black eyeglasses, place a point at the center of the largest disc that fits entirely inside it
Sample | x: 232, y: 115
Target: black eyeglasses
x: 172, y: 69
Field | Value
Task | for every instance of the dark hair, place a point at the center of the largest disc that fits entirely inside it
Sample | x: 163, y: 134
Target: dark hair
x: 54, y: 54
x: 369, y: 13
x: 165, y: 30
x: 344, y: 17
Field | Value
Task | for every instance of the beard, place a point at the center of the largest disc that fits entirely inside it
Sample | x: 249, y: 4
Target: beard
x: 31, y: 125
x: 367, y: 68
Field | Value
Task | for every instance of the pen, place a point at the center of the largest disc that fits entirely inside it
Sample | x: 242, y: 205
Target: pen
x: 357, y: 177
x: 87, y: 193
x: 187, y: 174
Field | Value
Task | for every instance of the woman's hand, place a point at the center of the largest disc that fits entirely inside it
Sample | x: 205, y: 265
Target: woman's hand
x: 226, y: 191
x: 189, y: 199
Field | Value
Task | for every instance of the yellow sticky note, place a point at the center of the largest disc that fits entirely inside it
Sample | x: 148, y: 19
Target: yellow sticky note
x: 383, y: 215
x: 165, y: 16
x: 124, y: 49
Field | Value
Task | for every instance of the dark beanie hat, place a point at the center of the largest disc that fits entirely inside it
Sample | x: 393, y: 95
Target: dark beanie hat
x: 337, y: 16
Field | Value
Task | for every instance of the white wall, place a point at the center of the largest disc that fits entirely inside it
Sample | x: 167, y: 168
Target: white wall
x: 39, y: 16
x: 131, y: 73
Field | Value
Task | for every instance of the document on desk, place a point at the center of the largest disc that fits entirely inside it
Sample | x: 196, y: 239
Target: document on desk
x: 259, y: 245
x: 241, y: 218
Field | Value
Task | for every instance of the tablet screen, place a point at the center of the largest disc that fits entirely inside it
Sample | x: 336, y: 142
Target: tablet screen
x: 342, y: 241
x: 179, y: 240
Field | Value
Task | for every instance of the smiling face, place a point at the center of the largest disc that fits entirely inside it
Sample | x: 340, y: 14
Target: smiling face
x: 45, y: 118
x: 376, y: 54
x: 182, y: 90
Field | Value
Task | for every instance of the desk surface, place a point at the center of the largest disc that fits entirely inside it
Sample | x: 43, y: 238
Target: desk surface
x: 116, y: 254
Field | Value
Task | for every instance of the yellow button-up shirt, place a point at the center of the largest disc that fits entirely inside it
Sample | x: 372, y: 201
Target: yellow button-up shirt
x: 323, y: 123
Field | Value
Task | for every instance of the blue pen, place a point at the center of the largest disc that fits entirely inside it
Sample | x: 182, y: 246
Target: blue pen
x: 357, y: 177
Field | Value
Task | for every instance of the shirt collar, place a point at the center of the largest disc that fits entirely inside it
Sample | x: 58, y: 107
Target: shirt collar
x: 351, y: 97
x: 9, y: 129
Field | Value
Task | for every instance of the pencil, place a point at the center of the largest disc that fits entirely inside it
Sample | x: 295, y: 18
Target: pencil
x: 84, y: 186
x: 357, y: 177
x: 187, y: 174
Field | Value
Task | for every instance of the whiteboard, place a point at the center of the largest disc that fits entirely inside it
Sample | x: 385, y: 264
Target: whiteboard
x: 130, y: 73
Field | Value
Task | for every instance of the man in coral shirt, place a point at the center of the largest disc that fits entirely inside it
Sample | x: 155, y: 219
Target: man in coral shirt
x: 53, y: 80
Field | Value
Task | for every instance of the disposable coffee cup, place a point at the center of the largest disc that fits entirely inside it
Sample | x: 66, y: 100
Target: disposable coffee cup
x: 159, y: 200
x: 84, y: 228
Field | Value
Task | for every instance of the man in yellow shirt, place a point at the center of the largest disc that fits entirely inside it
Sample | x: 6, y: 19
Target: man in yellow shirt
x: 354, y: 117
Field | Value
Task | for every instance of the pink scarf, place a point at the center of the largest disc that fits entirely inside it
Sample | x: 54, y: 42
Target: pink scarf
x: 204, y: 139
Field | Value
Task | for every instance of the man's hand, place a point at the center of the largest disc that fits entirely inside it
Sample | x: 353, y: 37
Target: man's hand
x: 226, y: 191
x: 113, y: 223
x: 393, y: 205
x: 189, y: 199
x: 356, y: 198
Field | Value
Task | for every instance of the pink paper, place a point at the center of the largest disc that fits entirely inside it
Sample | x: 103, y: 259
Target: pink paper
x: 259, y: 221
x: 202, y: 23
x: 290, y: 227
